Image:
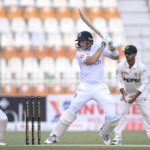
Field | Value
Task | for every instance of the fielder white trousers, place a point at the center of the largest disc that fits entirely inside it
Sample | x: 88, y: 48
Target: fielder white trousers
x: 144, y: 107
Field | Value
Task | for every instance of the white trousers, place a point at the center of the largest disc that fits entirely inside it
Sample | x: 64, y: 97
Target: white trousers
x: 3, y: 124
x: 98, y: 92
x: 144, y: 107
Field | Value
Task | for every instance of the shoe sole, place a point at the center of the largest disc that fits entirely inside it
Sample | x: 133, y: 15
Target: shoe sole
x: 116, y: 144
x: 106, y: 143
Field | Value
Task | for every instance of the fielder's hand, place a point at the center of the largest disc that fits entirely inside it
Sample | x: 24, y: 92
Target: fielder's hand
x: 130, y: 98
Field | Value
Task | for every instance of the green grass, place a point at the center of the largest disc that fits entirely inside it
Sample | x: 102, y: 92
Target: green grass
x: 89, y: 141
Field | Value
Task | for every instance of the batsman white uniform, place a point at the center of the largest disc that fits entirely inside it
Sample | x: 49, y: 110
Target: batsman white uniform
x: 92, y: 87
x: 3, y: 124
x: 133, y: 79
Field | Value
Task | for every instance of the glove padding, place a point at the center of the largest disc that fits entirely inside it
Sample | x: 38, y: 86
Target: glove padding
x: 103, y: 44
x: 113, y: 45
x: 107, y: 39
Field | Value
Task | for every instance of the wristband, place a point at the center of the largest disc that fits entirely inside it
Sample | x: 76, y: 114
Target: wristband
x: 115, y: 53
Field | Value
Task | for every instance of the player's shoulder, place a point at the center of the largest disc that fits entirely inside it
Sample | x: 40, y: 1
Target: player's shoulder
x: 78, y: 53
x: 141, y: 64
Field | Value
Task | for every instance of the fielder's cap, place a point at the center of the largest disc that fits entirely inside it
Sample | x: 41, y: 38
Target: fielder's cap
x: 130, y: 49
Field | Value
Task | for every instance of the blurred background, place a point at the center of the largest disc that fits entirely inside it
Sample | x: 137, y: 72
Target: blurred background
x: 37, y: 49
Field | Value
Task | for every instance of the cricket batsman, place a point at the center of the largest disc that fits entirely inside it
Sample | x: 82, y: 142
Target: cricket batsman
x: 92, y: 87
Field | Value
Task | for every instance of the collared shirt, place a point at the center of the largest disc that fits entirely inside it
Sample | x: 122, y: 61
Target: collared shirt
x: 93, y: 73
x: 132, y: 79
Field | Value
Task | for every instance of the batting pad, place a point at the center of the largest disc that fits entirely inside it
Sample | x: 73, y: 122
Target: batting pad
x: 109, y: 126
x: 66, y: 119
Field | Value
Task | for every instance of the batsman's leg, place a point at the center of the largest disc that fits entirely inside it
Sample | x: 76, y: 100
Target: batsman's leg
x: 107, y: 129
x: 69, y: 116
x: 66, y: 119
x: 105, y: 99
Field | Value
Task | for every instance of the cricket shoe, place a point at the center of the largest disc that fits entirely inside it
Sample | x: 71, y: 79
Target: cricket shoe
x: 2, y: 144
x: 116, y: 142
x: 106, y: 139
x: 52, y: 139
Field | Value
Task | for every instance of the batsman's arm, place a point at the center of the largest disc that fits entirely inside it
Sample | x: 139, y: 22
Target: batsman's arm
x: 111, y: 54
x: 94, y: 58
x: 112, y: 51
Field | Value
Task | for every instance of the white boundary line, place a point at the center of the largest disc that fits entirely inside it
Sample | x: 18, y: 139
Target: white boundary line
x: 79, y: 145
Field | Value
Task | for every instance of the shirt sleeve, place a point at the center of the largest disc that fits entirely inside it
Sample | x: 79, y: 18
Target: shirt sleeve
x: 107, y: 53
x: 119, y: 76
x: 144, y: 79
x: 110, y: 54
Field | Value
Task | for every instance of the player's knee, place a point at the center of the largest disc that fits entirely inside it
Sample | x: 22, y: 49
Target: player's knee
x: 112, y: 117
x: 110, y: 114
x: 74, y: 108
x: 68, y: 117
x: 109, y: 126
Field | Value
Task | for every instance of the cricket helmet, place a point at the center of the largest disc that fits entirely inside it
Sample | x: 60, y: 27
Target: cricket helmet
x: 84, y: 35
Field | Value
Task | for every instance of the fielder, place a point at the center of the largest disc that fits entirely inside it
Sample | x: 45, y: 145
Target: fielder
x: 132, y: 81
x: 3, y: 124
x: 92, y: 87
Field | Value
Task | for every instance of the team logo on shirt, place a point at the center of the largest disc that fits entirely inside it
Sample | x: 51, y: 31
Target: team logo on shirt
x: 81, y: 57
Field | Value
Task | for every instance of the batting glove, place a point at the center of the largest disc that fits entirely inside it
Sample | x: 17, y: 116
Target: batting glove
x: 103, y: 44
x: 107, y: 38
x: 113, y: 45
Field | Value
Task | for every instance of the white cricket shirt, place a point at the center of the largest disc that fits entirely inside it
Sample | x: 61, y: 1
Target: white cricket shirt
x: 132, y: 79
x: 92, y: 74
